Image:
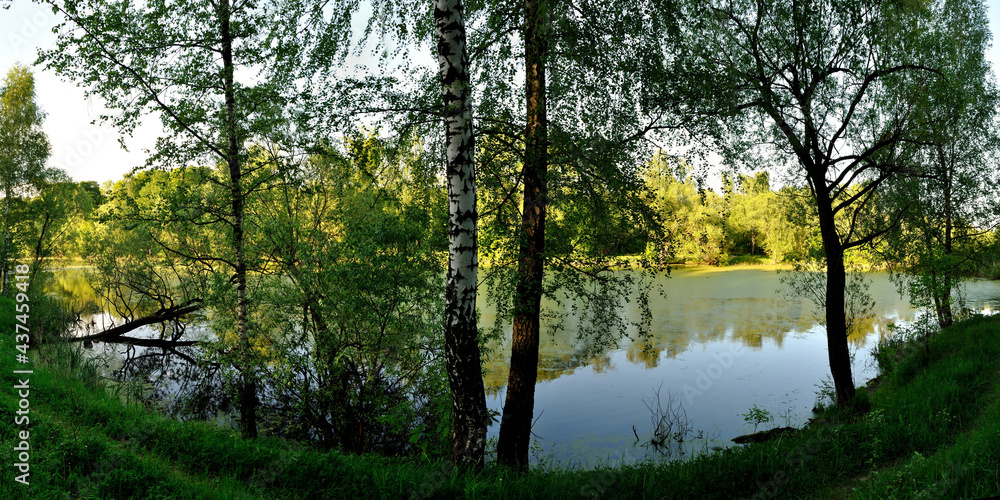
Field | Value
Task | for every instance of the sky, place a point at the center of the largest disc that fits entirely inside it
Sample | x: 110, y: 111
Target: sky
x: 85, y: 151
x: 81, y: 145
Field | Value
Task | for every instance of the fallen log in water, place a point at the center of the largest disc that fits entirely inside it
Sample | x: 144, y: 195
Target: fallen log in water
x: 117, y: 334
x: 760, y: 437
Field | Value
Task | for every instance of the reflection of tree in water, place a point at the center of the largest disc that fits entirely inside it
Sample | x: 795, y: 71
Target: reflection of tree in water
x: 601, y: 363
x: 172, y: 376
x: 736, y: 306
x: 555, y: 359
x: 179, y: 387
x: 73, y: 289
x: 646, y: 354
x: 175, y: 380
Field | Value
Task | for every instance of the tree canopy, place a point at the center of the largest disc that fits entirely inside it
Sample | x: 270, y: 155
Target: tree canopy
x: 828, y: 89
x: 24, y: 149
x: 332, y: 220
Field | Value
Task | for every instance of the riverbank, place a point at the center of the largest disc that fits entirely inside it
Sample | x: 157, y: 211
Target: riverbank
x: 933, y: 427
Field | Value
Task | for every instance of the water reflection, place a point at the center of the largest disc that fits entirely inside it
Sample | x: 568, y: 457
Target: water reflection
x: 172, y: 378
x: 73, y: 288
x: 701, y: 306
x: 586, y: 405
x: 722, y: 341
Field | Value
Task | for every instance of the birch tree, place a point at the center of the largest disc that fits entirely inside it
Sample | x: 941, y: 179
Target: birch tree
x: 24, y: 148
x: 597, y: 131
x: 465, y: 375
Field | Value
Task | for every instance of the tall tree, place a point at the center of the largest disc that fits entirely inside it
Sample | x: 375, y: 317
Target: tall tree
x: 465, y: 375
x: 24, y: 148
x: 58, y: 205
x: 559, y: 163
x: 597, y: 133
x: 956, y: 197
x: 181, y: 60
x: 518, y: 409
x: 828, y: 88
x: 579, y: 180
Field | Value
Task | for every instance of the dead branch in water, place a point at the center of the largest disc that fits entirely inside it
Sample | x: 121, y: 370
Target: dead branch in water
x: 116, y: 334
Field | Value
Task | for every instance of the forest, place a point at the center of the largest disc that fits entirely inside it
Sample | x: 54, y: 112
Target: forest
x: 340, y: 189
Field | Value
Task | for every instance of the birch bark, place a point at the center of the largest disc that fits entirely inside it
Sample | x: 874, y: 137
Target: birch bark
x: 465, y: 377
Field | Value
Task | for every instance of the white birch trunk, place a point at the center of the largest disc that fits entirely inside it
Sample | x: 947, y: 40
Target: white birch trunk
x: 461, y: 334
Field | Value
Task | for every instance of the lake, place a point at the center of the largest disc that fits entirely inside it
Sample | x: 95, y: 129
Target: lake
x: 724, y: 340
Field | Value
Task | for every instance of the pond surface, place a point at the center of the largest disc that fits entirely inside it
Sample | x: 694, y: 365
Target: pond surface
x: 724, y: 340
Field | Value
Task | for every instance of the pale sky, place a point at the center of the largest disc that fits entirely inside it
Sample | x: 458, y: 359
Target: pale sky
x: 86, y: 152
x: 91, y: 152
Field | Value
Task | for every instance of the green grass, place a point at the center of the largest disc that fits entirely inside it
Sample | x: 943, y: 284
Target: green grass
x: 932, y: 431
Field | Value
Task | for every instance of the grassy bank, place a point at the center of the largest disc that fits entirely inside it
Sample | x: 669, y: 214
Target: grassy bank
x: 932, y: 429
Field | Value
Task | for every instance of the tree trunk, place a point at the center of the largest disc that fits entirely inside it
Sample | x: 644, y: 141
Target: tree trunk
x: 5, y: 264
x: 515, y: 426
x: 836, y: 329
x: 39, y: 247
x: 945, y: 317
x: 248, y: 386
x: 836, y: 284
x: 465, y: 375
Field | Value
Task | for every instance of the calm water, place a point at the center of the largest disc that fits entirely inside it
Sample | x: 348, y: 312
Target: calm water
x: 723, y: 341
